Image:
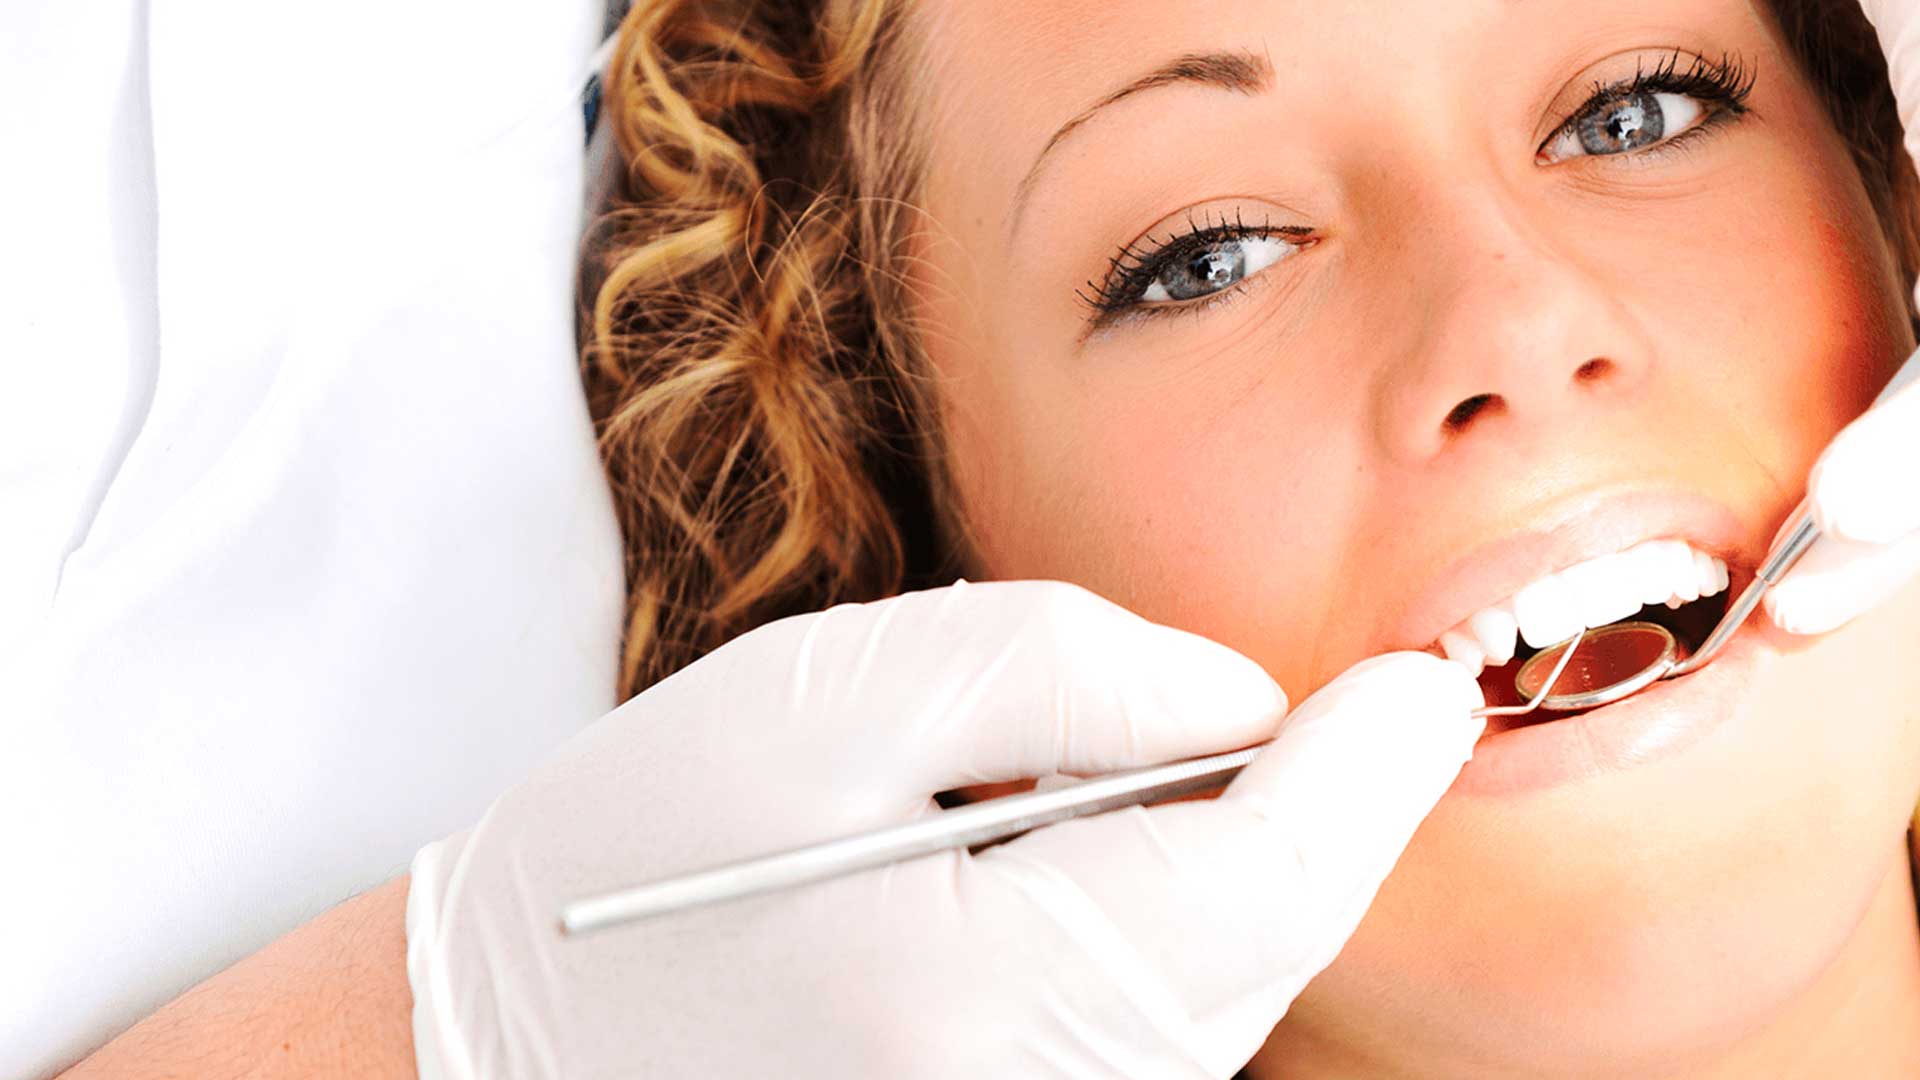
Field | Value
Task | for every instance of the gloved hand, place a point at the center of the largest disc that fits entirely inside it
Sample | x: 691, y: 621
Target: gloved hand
x: 1865, y: 496
x: 1147, y: 942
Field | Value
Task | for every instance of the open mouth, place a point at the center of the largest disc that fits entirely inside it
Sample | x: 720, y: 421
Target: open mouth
x: 1671, y: 583
x: 1689, y: 623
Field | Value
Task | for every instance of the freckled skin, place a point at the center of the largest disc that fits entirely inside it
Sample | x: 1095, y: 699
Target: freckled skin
x: 1276, y: 472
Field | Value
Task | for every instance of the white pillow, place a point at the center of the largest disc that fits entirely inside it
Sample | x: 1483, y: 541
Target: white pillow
x: 308, y: 553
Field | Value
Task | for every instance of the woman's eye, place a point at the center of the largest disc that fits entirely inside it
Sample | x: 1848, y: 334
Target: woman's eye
x: 1625, y: 122
x: 1189, y: 272
x: 1218, y: 265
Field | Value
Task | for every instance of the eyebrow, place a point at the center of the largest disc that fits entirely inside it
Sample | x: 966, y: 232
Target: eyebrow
x: 1242, y: 72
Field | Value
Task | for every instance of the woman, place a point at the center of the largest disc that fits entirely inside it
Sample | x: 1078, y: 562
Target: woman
x: 1284, y: 342
x: 1331, y: 334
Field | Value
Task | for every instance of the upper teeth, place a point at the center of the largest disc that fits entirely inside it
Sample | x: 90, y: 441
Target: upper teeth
x: 1593, y: 593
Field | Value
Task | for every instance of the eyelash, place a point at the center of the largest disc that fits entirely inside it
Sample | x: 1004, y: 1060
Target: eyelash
x: 1722, y: 86
x: 1134, y: 268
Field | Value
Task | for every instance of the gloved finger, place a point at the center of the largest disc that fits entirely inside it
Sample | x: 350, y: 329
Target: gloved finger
x: 974, y: 683
x: 1838, y: 580
x: 1213, y: 914
x: 1864, y: 487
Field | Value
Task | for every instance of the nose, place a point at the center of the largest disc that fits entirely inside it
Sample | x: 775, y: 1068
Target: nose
x: 1513, y: 339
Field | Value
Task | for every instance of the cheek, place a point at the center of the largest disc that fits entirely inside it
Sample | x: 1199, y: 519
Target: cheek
x: 1169, y: 488
x: 1858, y: 310
x: 1826, y: 346
x: 1788, y: 309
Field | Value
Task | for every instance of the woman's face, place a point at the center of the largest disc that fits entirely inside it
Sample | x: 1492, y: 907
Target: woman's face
x: 1422, y: 365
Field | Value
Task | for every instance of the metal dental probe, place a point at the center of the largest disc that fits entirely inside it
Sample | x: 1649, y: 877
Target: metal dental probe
x: 965, y: 826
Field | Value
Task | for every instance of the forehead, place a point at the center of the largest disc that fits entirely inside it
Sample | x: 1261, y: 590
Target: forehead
x: 1004, y: 76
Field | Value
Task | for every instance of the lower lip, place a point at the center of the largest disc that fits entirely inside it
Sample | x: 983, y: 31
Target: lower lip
x: 1656, y: 723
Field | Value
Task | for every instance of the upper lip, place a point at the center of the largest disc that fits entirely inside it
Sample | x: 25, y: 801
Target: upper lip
x: 1566, y: 533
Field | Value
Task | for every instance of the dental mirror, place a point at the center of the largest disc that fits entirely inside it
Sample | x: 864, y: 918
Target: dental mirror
x: 1613, y: 662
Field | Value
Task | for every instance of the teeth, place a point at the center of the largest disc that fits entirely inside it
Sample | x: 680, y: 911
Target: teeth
x: 1594, y: 593
x: 1494, y: 629
x: 1464, y: 650
x: 1547, y: 611
x: 1605, y: 590
x: 1713, y: 573
x: 1667, y: 561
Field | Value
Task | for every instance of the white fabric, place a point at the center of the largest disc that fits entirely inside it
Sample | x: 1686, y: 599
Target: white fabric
x: 305, y: 553
x: 1151, y: 942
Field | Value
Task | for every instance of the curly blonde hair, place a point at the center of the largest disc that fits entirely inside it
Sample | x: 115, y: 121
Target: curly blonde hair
x: 748, y: 350
x: 746, y: 356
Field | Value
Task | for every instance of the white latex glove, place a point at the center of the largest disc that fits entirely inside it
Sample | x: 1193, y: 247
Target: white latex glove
x: 1865, y: 494
x: 1147, y: 942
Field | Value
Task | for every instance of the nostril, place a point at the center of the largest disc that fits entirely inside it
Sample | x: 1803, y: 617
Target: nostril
x: 1593, y: 370
x: 1463, y: 413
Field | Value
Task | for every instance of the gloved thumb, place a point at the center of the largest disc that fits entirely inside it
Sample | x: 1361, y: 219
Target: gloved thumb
x: 1838, y: 580
x: 1212, y: 915
x: 1863, y: 488
x: 1867, y: 506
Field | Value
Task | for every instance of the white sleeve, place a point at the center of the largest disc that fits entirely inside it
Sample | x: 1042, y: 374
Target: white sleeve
x: 307, y: 553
